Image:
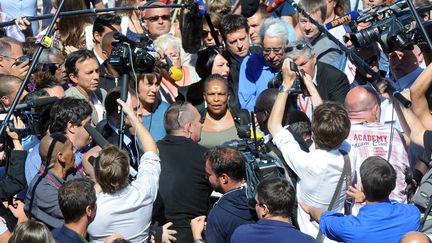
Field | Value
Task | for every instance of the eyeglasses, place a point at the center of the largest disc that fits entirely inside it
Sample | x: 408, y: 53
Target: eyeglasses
x: 8, y: 57
x: 267, y: 51
x: 299, y: 47
x: 165, y: 17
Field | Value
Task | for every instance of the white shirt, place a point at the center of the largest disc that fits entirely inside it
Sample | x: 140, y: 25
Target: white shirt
x: 129, y: 211
x: 318, y: 172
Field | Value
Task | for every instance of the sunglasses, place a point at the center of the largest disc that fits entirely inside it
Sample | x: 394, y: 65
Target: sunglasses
x: 205, y: 33
x: 165, y: 17
x: 299, y: 47
x: 50, y: 67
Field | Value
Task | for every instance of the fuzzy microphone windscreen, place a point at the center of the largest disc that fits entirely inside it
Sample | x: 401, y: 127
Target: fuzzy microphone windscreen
x: 192, y: 30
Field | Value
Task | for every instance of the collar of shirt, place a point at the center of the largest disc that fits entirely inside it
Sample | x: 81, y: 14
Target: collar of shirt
x: 126, y: 139
x: 315, y: 75
x: 407, y: 80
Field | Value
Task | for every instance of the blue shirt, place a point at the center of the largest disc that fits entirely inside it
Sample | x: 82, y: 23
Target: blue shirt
x: 269, y: 231
x: 381, y: 222
x: 155, y: 121
x: 254, y: 76
x: 66, y: 235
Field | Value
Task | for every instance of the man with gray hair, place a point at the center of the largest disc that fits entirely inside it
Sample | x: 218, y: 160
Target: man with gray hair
x: 10, y: 52
x: 257, y: 69
x: 331, y: 83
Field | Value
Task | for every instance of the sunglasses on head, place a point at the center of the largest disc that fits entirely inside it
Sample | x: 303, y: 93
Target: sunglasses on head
x: 298, y: 47
x: 165, y: 17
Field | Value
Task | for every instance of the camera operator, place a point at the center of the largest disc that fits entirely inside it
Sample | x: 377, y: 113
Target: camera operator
x: 109, y: 128
x: 225, y: 168
x: 330, y: 128
x: 10, y: 52
x: 68, y: 115
x: 14, y: 180
x: 331, y: 83
x: 8, y: 89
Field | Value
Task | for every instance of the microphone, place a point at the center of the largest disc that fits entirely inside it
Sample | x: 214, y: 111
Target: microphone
x: 97, y: 137
x: 103, y: 143
x: 174, y: 72
x: 344, y: 19
x: 33, y: 103
x: 201, y: 7
x: 192, y: 28
x: 274, y: 5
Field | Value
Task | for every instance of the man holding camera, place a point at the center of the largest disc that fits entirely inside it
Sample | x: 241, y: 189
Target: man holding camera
x: 10, y: 54
x: 257, y: 69
x: 331, y: 83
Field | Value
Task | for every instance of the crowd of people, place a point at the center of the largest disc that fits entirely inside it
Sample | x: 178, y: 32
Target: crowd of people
x: 89, y: 165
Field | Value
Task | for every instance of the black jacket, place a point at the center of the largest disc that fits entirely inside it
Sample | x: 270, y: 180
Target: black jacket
x: 332, y: 84
x: 183, y: 187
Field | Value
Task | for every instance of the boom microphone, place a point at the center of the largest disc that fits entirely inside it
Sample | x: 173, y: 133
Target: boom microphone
x: 174, y: 72
x: 96, y: 136
x: 103, y: 143
x: 274, y: 5
x: 192, y: 28
x: 33, y: 103
x: 344, y: 19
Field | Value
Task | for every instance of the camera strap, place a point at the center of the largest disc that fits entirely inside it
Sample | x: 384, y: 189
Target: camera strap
x: 346, y: 173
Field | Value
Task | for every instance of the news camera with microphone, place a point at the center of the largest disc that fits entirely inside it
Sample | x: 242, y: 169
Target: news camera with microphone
x: 391, y: 26
x: 33, y: 113
x: 127, y: 54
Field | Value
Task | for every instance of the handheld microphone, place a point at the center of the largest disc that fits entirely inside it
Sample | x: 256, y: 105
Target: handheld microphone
x: 274, y: 5
x: 174, y: 72
x: 344, y: 19
x: 33, y: 103
x: 201, y: 7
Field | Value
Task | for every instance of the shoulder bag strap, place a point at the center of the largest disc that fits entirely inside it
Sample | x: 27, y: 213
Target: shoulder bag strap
x: 346, y: 171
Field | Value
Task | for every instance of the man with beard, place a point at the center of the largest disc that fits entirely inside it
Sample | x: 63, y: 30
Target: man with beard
x: 225, y: 169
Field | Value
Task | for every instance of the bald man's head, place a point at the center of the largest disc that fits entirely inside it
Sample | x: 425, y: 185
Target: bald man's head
x: 415, y: 237
x: 56, y: 147
x: 363, y: 104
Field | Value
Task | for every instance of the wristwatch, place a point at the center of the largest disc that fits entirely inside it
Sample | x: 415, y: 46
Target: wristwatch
x: 283, y: 89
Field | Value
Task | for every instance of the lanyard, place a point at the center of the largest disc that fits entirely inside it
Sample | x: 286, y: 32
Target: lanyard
x: 48, y: 177
x: 303, y: 108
